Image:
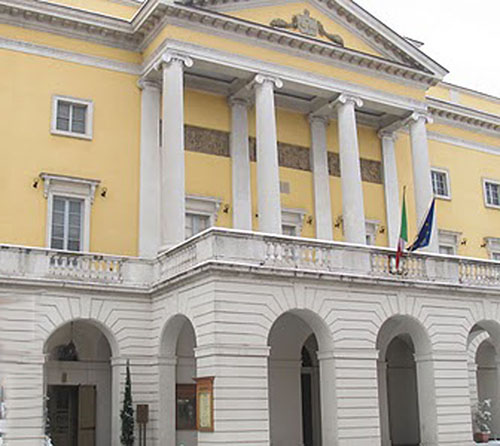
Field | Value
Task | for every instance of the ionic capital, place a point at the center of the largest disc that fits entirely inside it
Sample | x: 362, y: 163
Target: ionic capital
x: 262, y: 79
x: 238, y: 101
x: 417, y: 116
x: 169, y: 57
x: 144, y: 84
x: 345, y: 99
x: 386, y: 134
x: 320, y: 119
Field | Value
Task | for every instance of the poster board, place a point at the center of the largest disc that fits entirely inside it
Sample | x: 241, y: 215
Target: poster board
x: 205, y: 404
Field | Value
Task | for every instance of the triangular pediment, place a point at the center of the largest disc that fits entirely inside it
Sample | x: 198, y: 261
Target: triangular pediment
x: 337, y: 22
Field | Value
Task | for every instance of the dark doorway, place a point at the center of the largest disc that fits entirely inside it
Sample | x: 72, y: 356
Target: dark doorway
x: 71, y: 413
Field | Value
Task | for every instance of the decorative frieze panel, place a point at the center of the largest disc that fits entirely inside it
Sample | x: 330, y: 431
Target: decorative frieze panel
x: 209, y: 141
x: 216, y: 142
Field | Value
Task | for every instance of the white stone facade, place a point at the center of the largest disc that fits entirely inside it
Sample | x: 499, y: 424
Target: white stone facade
x: 252, y: 301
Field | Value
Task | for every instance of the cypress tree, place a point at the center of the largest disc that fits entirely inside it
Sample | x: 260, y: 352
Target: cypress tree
x: 127, y: 413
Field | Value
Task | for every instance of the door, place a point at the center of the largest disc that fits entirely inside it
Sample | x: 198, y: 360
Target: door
x: 86, y: 415
x: 63, y: 414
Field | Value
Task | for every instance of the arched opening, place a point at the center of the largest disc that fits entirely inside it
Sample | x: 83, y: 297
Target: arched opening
x: 78, y: 385
x: 406, y: 384
x: 177, y: 385
x: 295, y: 396
x: 483, y: 350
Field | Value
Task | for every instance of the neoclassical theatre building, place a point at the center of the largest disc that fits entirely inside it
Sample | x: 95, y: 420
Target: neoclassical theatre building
x: 211, y: 190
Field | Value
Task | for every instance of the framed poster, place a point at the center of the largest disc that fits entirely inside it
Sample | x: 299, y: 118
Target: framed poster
x: 205, y: 404
x: 186, y: 407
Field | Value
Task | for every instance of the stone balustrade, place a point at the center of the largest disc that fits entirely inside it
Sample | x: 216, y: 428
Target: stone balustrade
x: 233, y: 249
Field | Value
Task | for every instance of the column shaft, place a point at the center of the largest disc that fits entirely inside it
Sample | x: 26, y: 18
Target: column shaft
x: 172, y: 172
x: 422, y: 173
x: 321, y: 178
x: 268, y: 182
x: 149, y: 213
x: 328, y: 398
x: 391, y: 187
x: 350, y: 169
x: 242, y: 197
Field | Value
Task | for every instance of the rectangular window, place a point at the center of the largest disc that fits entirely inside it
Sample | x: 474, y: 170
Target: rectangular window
x: 72, y: 117
x: 196, y: 223
x: 492, y: 193
x: 67, y: 225
x: 495, y: 256
x: 290, y: 230
x: 447, y: 250
x: 440, y: 184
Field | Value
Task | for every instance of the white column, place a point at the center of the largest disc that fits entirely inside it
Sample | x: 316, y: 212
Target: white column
x: 350, y: 170
x: 172, y: 164
x: 167, y: 402
x: 328, y: 398
x: 391, y: 186
x: 117, y: 365
x: 422, y: 172
x: 240, y: 158
x: 321, y: 178
x: 268, y: 181
x: 149, y: 194
x: 385, y: 433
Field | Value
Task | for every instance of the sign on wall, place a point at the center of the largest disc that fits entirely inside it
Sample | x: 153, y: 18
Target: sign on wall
x: 205, y: 404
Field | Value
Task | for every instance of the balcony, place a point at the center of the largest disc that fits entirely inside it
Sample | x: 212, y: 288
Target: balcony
x: 246, y: 252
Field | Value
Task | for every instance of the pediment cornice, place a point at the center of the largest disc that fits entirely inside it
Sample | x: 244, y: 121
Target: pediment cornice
x: 153, y: 15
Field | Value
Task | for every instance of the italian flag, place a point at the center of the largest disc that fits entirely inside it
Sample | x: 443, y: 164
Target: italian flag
x: 403, y: 233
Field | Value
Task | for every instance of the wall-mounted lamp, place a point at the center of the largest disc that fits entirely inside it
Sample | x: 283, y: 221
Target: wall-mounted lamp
x: 225, y: 208
x: 35, y: 183
x: 484, y: 244
x: 382, y: 230
x: 104, y: 192
x: 256, y: 215
x: 309, y: 219
x: 338, y: 221
x: 463, y: 242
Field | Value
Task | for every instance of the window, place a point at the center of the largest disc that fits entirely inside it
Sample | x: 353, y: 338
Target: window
x: 440, y: 183
x: 448, y: 242
x: 72, y: 117
x: 493, y: 247
x: 201, y: 214
x: 69, y: 201
x: 371, y: 227
x: 196, y: 223
x: 292, y: 222
x: 492, y: 193
x: 66, y: 232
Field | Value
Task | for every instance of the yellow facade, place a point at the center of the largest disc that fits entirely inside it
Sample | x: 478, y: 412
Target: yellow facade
x: 28, y: 82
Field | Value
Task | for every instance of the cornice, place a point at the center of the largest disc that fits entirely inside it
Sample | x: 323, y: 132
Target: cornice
x: 355, y: 18
x: 134, y: 35
x: 470, y: 118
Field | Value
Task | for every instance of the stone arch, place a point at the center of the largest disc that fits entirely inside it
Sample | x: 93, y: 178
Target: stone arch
x: 80, y: 379
x: 483, y: 350
x: 177, y: 368
x: 405, y: 360
x: 289, y: 409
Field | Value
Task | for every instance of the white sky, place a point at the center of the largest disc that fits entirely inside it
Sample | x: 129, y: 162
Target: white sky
x: 461, y: 35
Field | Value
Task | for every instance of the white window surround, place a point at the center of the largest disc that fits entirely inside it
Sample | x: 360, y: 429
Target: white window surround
x: 201, y: 205
x: 371, y: 227
x: 293, y: 217
x: 493, y: 247
x: 89, y: 117
x: 449, y: 240
x: 495, y: 182
x: 70, y: 187
x: 448, y: 186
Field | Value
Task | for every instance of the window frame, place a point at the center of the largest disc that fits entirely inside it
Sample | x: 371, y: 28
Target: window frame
x: 71, y: 188
x: 485, y: 194
x: 493, y: 247
x: 449, y: 239
x: 202, y: 206
x: 66, y: 225
x: 293, y: 218
x: 448, y: 185
x: 89, y: 117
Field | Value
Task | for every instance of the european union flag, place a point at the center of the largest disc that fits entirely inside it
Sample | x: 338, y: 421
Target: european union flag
x: 424, y: 236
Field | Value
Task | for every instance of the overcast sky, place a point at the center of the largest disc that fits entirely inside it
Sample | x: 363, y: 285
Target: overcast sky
x: 461, y: 35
